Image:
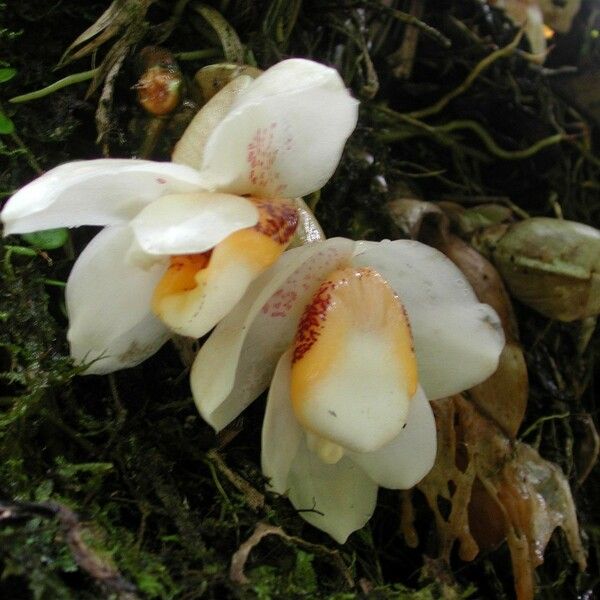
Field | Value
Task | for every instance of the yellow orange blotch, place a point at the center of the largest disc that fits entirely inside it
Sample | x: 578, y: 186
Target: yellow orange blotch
x: 355, y: 327
x: 181, y: 274
x: 240, y: 257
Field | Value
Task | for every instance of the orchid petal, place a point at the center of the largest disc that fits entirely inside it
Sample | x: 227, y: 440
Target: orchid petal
x: 108, y: 302
x: 284, y: 134
x: 191, y: 223
x: 458, y: 340
x: 403, y: 462
x: 281, y: 433
x: 94, y: 192
x: 189, y: 150
x: 342, y: 495
x: 235, y: 364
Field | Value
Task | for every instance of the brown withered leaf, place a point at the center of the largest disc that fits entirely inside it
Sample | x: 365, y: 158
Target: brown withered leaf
x: 117, y: 17
x: 496, y: 489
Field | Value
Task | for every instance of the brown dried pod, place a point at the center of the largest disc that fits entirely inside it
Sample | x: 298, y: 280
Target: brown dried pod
x: 551, y: 265
x: 159, y: 87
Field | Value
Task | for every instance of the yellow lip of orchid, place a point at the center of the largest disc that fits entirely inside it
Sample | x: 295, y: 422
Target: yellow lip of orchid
x: 353, y: 345
x: 281, y: 134
x: 196, y: 290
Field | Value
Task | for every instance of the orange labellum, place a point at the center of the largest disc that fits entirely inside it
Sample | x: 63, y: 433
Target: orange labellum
x: 353, y: 348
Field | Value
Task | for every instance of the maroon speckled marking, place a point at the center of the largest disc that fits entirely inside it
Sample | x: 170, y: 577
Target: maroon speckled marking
x: 261, y: 154
x: 313, y: 320
x: 280, y: 303
x: 303, y: 279
x: 278, y: 220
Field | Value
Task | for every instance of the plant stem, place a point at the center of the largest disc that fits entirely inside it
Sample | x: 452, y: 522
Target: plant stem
x: 54, y: 87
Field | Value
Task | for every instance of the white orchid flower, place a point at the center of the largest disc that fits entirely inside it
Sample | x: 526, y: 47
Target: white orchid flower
x: 183, y: 241
x: 348, y: 407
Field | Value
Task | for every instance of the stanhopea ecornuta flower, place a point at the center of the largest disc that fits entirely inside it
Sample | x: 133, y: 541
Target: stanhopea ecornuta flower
x: 183, y: 241
x: 348, y: 407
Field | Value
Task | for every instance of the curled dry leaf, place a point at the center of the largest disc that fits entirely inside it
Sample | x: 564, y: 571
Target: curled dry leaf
x: 497, y: 489
x: 588, y: 448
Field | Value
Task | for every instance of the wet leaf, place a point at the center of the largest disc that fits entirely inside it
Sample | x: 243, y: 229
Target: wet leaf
x: 497, y: 489
x: 50, y: 239
x: 6, y: 125
x: 7, y: 73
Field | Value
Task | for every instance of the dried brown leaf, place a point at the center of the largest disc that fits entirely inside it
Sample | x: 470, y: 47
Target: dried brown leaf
x: 497, y: 489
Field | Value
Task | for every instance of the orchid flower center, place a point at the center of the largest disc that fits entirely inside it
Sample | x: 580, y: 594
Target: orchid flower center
x: 353, y: 368
x: 226, y: 269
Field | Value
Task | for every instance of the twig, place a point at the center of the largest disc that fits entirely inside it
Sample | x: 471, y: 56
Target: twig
x: 240, y: 557
x: 404, y: 57
x: 471, y: 77
x: 473, y: 126
x: 86, y: 558
x: 541, y: 420
x: 409, y: 19
x: 253, y: 497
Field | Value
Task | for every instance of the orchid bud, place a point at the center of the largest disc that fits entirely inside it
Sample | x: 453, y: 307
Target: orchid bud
x: 159, y: 87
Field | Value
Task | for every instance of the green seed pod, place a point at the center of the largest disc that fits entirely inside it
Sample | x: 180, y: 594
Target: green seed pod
x: 551, y: 265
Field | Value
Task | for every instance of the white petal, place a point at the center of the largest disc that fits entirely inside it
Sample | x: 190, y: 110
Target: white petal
x: 108, y: 302
x: 409, y: 457
x: 284, y: 134
x: 94, y: 192
x: 281, y: 433
x: 191, y: 223
x: 342, y: 493
x: 236, y: 363
x: 458, y: 340
x: 189, y: 150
